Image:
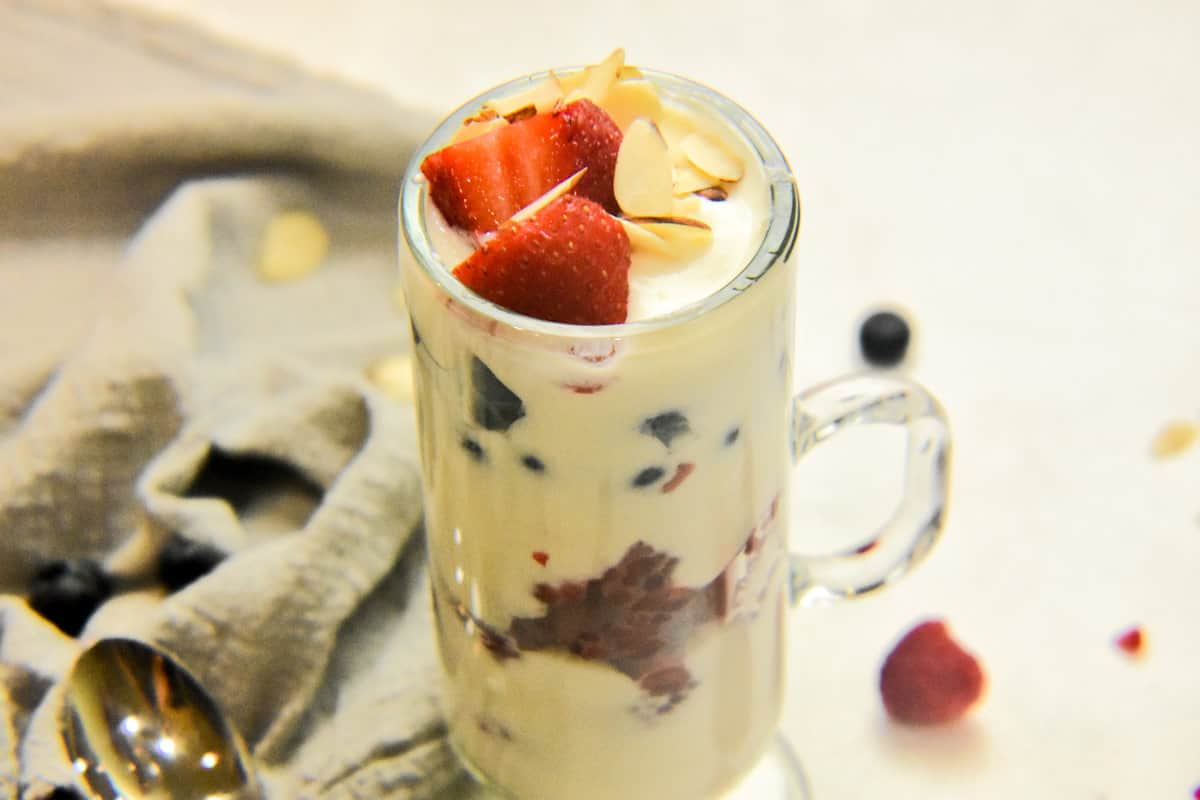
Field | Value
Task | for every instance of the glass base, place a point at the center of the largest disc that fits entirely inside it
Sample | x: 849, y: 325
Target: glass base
x: 777, y: 776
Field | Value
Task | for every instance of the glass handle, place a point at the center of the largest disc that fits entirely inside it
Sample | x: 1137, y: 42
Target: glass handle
x: 820, y: 413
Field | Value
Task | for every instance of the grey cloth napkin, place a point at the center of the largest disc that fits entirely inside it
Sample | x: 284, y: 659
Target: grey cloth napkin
x: 154, y: 385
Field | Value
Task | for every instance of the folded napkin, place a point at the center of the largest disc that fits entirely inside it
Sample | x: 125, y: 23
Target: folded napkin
x: 156, y: 385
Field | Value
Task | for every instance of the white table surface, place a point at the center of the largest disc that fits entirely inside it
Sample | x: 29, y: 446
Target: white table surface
x: 1024, y: 178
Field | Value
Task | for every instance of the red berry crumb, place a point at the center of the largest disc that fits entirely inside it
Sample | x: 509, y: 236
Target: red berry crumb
x: 1132, y: 641
x: 1196, y: 793
x: 541, y: 557
x: 928, y: 679
x: 681, y: 473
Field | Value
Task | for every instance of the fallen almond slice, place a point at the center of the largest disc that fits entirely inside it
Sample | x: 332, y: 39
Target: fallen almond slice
x: 549, y: 197
x: 294, y: 245
x: 628, y: 100
x: 597, y: 79
x: 684, y: 237
x: 1175, y: 438
x: 473, y: 129
x: 542, y: 97
x: 688, y: 179
x: 712, y: 157
x: 393, y: 375
x: 643, y: 241
x: 642, y: 176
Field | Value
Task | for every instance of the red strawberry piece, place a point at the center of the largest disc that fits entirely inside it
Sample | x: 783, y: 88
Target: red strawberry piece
x: 1131, y: 641
x: 596, y: 140
x: 478, y: 184
x: 928, y: 679
x: 541, y: 557
x: 569, y: 262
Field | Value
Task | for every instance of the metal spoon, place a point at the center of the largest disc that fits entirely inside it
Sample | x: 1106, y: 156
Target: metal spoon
x: 138, y: 726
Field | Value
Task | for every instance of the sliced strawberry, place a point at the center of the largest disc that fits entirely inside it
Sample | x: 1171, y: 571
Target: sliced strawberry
x: 567, y: 263
x: 596, y: 139
x: 478, y: 184
x: 928, y: 679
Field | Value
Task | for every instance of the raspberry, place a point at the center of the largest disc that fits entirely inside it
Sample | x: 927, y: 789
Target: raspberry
x: 1132, y: 641
x: 928, y: 679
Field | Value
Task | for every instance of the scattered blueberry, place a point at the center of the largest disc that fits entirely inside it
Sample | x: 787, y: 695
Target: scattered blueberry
x: 64, y: 793
x: 666, y: 426
x: 648, y: 476
x: 732, y: 436
x: 67, y: 592
x: 884, y: 338
x: 533, y: 463
x: 494, y: 405
x: 244, y: 479
x: 184, y: 561
x: 474, y: 448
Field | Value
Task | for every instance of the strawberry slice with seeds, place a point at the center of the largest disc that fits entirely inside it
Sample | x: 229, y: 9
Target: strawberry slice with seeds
x: 479, y: 183
x: 596, y: 139
x: 567, y: 263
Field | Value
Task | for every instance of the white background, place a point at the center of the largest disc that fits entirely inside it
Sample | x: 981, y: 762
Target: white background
x: 1024, y: 178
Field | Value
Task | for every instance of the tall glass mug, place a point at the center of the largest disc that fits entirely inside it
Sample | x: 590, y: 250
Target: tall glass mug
x: 607, y: 512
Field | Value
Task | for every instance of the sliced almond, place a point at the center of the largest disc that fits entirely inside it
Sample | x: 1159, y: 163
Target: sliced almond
x: 473, y: 129
x: 643, y: 241
x: 684, y: 237
x: 627, y: 100
x: 675, y: 126
x: 712, y: 156
x: 642, y: 179
x: 484, y: 115
x: 541, y: 97
x: 393, y: 375
x: 688, y: 179
x: 598, y: 79
x: 630, y: 72
x: 717, y: 194
x: 687, y: 207
x: 549, y: 197
x: 294, y: 245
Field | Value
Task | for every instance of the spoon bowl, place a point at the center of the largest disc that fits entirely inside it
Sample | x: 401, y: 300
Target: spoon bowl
x: 138, y: 725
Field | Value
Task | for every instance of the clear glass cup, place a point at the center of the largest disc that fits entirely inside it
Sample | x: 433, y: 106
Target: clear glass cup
x: 607, y: 513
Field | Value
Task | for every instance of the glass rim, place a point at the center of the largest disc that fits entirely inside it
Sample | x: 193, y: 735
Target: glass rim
x: 783, y: 204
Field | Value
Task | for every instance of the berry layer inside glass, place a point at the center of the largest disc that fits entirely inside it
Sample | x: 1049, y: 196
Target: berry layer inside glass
x: 606, y: 520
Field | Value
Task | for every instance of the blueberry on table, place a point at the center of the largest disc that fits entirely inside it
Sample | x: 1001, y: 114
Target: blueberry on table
x: 65, y: 793
x: 884, y: 338
x: 67, y: 592
x: 184, y: 561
